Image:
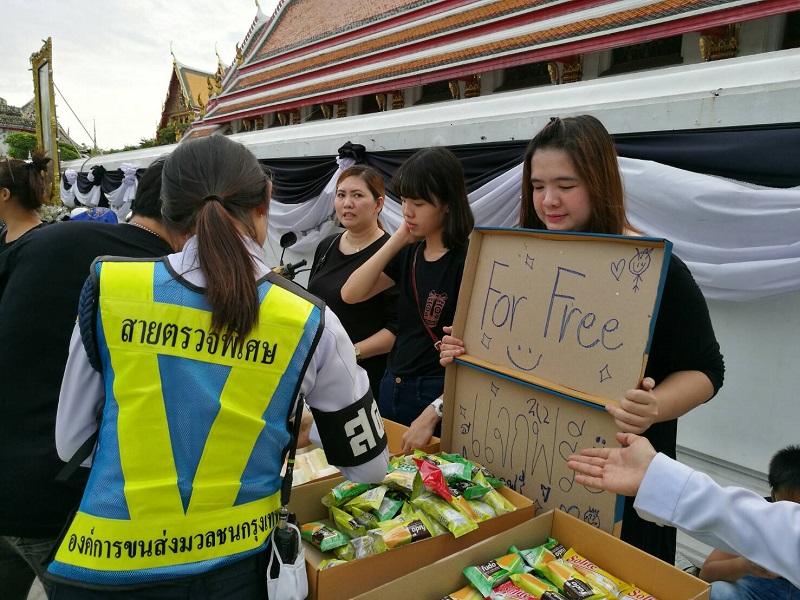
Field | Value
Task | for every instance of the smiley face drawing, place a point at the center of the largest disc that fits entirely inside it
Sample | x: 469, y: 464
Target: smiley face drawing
x: 592, y: 517
x: 523, y: 357
x: 638, y: 265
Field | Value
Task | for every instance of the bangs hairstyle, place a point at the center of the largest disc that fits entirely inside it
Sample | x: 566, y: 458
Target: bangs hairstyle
x: 371, y: 178
x: 436, y: 176
x: 591, y: 150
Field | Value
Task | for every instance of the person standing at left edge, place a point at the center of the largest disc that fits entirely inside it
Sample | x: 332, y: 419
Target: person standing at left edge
x: 206, y: 351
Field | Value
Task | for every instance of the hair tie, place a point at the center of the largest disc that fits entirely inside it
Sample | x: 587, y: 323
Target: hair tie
x: 211, y: 197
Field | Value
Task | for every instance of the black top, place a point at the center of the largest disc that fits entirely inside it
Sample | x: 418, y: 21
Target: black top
x: 437, y: 283
x: 4, y: 245
x: 41, y: 277
x: 683, y: 340
x: 360, y: 320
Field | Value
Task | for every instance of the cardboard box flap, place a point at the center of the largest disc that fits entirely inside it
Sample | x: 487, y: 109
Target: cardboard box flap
x: 524, y: 434
x: 573, y: 309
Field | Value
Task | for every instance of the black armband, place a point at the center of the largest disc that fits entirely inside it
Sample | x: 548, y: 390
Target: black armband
x: 353, y: 435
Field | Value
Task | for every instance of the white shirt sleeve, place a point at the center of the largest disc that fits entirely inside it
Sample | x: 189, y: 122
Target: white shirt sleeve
x: 82, y: 395
x: 732, y: 519
x: 334, y: 381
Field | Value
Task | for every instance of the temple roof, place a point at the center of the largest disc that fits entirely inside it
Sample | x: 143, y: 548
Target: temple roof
x: 312, y: 51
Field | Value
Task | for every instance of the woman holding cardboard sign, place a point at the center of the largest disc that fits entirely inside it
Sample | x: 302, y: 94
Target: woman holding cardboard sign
x: 571, y: 182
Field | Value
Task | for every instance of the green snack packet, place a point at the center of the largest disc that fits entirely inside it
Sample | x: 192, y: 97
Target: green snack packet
x: 482, y: 510
x: 404, y: 478
x: 369, y: 500
x: 388, y: 508
x: 532, y: 584
x: 469, y: 489
x: 322, y: 536
x: 402, y: 533
x: 360, y: 547
x: 330, y: 562
x: 367, y: 519
x: 493, y: 498
x: 437, y: 508
x: 344, y: 492
x: 491, y: 574
x: 451, y: 470
x: 347, y: 523
x: 488, y: 476
x: 537, y: 556
x: 565, y: 577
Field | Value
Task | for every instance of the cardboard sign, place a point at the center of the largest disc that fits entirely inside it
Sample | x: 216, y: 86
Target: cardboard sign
x: 570, y: 311
x: 524, y: 434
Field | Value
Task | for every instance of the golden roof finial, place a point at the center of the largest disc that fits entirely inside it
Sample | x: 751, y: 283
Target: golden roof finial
x: 174, y: 60
x: 258, y: 6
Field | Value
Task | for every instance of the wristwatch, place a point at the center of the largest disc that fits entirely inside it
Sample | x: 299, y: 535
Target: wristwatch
x: 358, y: 352
x: 438, y: 407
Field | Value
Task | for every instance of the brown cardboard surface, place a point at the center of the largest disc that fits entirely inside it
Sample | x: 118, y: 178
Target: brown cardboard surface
x: 574, y: 310
x: 346, y: 581
x: 663, y: 581
x: 525, y: 434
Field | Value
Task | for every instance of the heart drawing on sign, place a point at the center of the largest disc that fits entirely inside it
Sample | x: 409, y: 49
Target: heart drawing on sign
x: 618, y: 268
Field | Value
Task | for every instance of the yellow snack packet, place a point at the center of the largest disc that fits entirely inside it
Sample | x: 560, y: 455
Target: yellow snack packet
x: 613, y: 586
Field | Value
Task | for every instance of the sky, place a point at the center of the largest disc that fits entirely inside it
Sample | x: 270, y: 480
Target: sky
x: 111, y: 58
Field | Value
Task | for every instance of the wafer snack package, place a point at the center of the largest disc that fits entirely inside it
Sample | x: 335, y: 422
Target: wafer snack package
x: 465, y: 593
x: 639, y: 595
x: 403, y: 533
x: 509, y: 591
x: 439, y: 509
x: 388, y: 508
x: 469, y: 489
x: 494, y: 498
x: 433, y: 478
x: 491, y: 574
x: 322, y: 536
x: 613, y: 586
x: 370, y: 499
x: 532, y: 584
x: 347, y: 523
x: 360, y: 547
x: 367, y: 519
x: 405, y: 479
x: 538, y: 555
x: 344, y: 492
x: 330, y: 562
x: 565, y: 577
x: 483, y: 511
x: 451, y: 470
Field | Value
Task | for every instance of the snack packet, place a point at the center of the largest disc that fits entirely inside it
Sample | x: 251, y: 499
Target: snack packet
x: 532, y: 584
x: 639, y: 594
x: 437, y: 508
x: 450, y: 470
x: 552, y: 596
x: 344, y: 492
x: 564, y: 576
x: 465, y: 593
x: 491, y: 574
x: 388, y: 508
x: 404, y: 478
x: 347, y: 524
x: 403, y: 533
x: 469, y: 489
x: 360, y: 547
x: 509, y: 591
x: 330, y: 562
x: 322, y: 536
x: 367, y: 519
x: 493, y: 498
x: 613, y: 586
x: 369, y: 500
x: 433, y: 478
x: 476, y: 468
x: 539, y: 555
x: 482, y: 510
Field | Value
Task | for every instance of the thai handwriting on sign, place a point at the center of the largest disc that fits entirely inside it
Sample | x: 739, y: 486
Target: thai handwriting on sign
x: 528, y: 444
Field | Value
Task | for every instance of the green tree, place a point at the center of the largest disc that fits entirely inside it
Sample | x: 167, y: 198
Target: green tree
x: 67, y: 152
x: 20, y: 144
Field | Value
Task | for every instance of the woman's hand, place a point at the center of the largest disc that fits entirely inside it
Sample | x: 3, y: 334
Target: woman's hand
x: 450, y: 347
x: 403, y: 235
x: 420, y: 431
x: 638, y: 410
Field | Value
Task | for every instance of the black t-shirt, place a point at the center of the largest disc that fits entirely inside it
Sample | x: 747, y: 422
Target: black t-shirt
x: 437, y: 285
x: 683, y: 340
x: 41, y: 276
x: 360, y: 320
x: 4, y: 245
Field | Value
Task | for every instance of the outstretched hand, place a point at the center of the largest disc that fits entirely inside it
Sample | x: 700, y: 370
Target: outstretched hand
x: 420, y: 431
x: 638, y: 410
x: 618, y: 470
x: 450, y: 347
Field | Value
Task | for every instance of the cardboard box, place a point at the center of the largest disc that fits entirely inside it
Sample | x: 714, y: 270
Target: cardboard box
x: 346, y: 581
x: 661, y: 580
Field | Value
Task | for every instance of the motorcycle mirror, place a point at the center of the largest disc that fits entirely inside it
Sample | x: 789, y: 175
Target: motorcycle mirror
x: 288, y: 239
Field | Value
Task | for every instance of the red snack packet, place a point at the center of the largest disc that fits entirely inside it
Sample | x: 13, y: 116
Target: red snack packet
x: 433, y: 478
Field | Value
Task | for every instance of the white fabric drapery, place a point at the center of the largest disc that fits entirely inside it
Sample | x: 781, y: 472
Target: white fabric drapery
x: 68, y: 196
x: 121, y: 198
